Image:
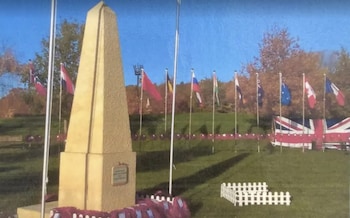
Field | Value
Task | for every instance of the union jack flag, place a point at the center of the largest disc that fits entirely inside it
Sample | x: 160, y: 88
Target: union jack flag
x: 323, y: 132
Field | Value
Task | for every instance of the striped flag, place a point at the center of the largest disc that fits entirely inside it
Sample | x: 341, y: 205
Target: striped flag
x: 66, y: 81
x: 331, y: 88
x: 196, y: 88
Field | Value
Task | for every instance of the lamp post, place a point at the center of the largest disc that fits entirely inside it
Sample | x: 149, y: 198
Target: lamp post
x: 138, y: 71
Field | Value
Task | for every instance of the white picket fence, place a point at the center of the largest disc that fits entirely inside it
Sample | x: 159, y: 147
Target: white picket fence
x: 253, y: 194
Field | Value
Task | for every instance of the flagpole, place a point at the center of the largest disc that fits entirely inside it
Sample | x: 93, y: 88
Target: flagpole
x: 174, y: 91
x: 166, y: 99
x: 191, y: 102
x: 140, y: 106
x: 303, y: 106
x: 324, y: 96
x: 213, y: 117
x: 280, y: 79
x: 235, y: 89
x: 60, y: 103
x: 257, y: 108
x: 324, y: 107
x: 48, y: 106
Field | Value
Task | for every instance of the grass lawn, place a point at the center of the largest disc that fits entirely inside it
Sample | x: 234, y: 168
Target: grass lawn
x: 317, y: 181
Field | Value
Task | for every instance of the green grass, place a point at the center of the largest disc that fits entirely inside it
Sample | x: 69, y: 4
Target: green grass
x: 317, y: 181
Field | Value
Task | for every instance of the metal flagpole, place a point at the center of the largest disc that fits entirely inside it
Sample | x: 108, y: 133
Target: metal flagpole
x: 191, y: 101
x: 303, y: 106
x: 48, y: 106
x: 174, y: 91
x: 235, y: 89
x: 60, y: 103
x: 257, y: 108
x: 213, y: 123
x: 324, y: 96
x: 166, y: 99
x: 140, y: 109
x: 280, y: 74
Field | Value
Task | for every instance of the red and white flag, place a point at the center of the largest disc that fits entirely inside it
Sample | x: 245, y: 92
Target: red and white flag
x: 311, y: 96
x: 40, y: 88
x: 66, y: 81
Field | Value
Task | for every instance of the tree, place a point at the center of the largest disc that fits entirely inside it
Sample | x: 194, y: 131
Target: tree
x: 280, y: 53
x: 68, y: 45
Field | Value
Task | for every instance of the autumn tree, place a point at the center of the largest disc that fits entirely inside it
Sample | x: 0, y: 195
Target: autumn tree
x: 341, y: 78
x: 281, y: 53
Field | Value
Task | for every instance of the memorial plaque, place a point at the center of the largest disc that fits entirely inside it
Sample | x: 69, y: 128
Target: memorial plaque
x: 120, y: 175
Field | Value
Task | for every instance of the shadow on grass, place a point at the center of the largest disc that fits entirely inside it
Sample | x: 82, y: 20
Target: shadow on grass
x: 159, y: 160
x: 181, y: 185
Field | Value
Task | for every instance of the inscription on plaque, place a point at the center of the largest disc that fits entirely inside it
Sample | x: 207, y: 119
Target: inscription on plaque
x: 120, y: 174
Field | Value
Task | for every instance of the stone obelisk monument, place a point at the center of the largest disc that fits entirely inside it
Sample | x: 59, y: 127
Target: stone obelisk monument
x: 98, y: 167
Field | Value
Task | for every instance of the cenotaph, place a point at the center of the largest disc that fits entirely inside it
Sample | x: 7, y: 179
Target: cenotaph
x: 98, y: 167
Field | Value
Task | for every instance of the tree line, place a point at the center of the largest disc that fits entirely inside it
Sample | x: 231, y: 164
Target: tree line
x: 279, y: 53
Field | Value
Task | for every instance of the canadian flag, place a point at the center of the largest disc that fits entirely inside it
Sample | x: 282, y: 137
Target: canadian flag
x: 311, y: 96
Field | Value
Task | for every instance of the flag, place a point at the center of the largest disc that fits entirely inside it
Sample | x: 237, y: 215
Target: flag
x: 150, y: 88
x: 216, y: 89
x: 31, y: 72
x: 169, y: 85
x: 40, y: 88
x: 296, y: 133
x: 311, y: 96
x: 196, y: 89
x: 66, y: 81
x: 260, y: 94
x: 239, y: 91
x: 331, y: 88
x: 285, y: 95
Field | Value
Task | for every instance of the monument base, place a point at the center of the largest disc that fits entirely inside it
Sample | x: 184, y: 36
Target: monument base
x: 101, y: 182
x: 34, y: 211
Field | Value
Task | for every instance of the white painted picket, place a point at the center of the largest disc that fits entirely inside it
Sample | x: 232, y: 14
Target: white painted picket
x: 253, y: 194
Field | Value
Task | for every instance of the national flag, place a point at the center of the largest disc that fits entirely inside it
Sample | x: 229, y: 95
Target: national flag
x: 216, y: 89
x: 66, y: 81
x: 196, y: 88
x: 169, y: 85
x: 296, y: 133
x: 149, y: 87
x: 31, y: 72
x: 238, y: 90
x: 40, y: 88
x: 331, y: 88
x: 311, y: 96
x: 260, y: 94
x: 285, y: 95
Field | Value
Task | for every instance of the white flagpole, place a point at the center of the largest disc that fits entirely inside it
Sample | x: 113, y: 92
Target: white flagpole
x: 48, y: 106
x: 257, y: 108
x: 280, y: 79
x: 60, y: 103
x: 235, y: 89
x: 324, y: 96
x: 213, y: 123
x: 191, y: 101
x: 174, y: 91
x: 303, y: 106
x: 166, y: 99
x: 140, y: 109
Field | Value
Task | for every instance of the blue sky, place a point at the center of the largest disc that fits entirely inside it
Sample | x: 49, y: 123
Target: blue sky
x: 215, y: 35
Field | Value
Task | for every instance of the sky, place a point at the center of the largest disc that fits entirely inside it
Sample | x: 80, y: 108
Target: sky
x: 220, y: 35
